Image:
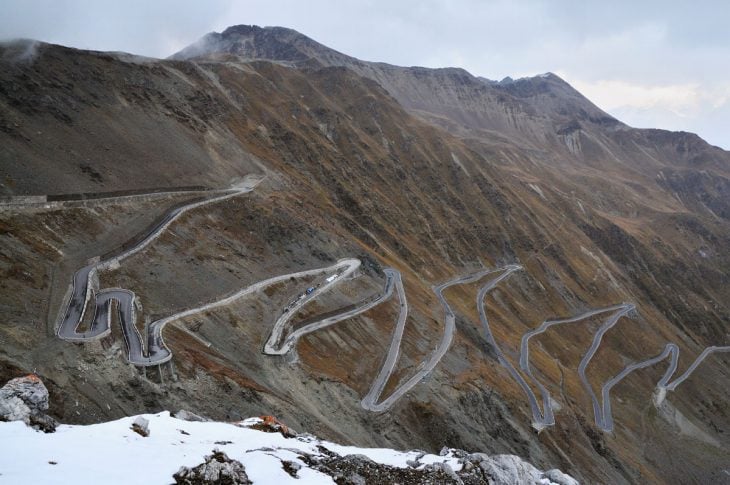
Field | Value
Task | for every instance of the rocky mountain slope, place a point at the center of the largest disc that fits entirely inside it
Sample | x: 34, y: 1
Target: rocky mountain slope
x: 157, y: 448
x: 435, y: 173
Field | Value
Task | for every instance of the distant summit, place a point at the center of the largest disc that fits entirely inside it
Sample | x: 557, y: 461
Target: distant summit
x: 474, y: 103
x: 265, y: 43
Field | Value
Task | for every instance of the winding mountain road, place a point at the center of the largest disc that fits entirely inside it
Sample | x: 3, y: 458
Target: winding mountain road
x: 272, y: 346
x: 662, y: 386
x: 159, y: 352
x: 547, y: 417
x: 705, y: 353
x: 620, y: 311
x: 601, y: 408
x: 370, y: 401
x: 83, y: 290
x: 539, y: 420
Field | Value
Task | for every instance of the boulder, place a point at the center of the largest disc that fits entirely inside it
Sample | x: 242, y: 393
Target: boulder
x: 450, y: 472
x: 217, y: 469
x: 291, y: 467
x: 141, y: 426
x: 509, y: 469
x: 13, y: 408
x: 476, y: 457
x: 43, y: 422
x: 26, y: 399
x: 358, y: 458
x: 556, y: 476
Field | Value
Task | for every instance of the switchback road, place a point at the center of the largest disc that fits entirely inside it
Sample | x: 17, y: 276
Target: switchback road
x: 83, y: 291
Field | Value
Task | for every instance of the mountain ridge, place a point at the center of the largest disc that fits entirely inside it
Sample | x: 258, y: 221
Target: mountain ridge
x: 594, y: 213
x: 285, y: 45
x: 527, y: 111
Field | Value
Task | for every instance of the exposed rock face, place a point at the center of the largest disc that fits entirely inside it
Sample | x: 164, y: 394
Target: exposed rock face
x: 477, y: 468
x: 217, y: 469
x: 361, y: 470
x: 511, y: 469
x: 26, y: 399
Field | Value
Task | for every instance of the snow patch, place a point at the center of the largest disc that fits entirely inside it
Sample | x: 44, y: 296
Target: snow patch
x: 112, y: 453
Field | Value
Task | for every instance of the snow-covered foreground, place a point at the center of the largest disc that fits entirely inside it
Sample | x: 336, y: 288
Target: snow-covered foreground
x: 112, y: 453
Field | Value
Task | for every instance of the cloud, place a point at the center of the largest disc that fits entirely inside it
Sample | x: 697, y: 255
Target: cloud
x: 702, y: 108
x: 137, y: 26
x: 682, y: 99
x: 20, y: 51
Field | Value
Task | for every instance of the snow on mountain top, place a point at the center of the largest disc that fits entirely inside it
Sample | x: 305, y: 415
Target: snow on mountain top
x: 113, y: 453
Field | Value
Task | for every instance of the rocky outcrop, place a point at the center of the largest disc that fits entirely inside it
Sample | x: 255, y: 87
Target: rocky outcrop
x: 476, y: 468
x: 361, y: 470
x: 217, y: 469
x: 508, y: 469
x: 26, y: 399
x: 189, y: 416
x: 451, y: 466
x: 269, y: 424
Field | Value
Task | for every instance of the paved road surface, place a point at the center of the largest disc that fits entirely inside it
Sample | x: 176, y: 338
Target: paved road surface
x: 539, y: 420
x: 370, y: 401
x: 597, y: 338
x: 547, y: 417
x: 292, y: 339
x: 664, y: 384
x: 157, y: 352
x: 601, y: 408
x: 272, y: 344
x: 83, y: 292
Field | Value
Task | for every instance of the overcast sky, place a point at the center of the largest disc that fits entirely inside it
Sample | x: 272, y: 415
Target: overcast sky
x: 663, y: 64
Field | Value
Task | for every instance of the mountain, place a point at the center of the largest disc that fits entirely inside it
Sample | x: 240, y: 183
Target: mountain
x: 392, y: 181
x: 451, y: 96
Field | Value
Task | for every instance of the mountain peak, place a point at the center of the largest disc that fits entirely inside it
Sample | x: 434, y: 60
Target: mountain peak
x: 244, y: 29
x: 251, y: 42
